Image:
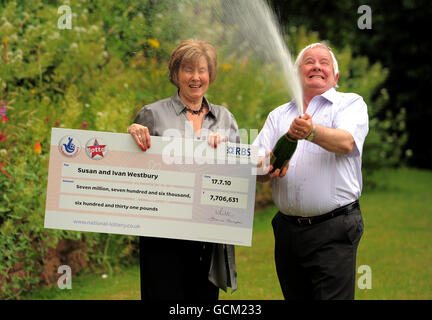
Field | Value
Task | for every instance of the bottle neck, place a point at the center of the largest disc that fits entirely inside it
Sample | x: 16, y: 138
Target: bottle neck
x: 289, y: 138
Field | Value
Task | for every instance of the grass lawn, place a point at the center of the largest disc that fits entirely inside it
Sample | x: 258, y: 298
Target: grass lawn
x: 396, y: 245
x: 122, y: 285
x: 397, y: 242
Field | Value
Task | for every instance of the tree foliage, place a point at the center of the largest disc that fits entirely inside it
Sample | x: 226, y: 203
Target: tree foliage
x: 395, y: 40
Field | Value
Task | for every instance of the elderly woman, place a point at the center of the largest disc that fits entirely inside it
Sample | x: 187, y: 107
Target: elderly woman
x: 181, y: 269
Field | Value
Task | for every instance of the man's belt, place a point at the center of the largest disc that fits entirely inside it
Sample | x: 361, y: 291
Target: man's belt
x: 326, y: 216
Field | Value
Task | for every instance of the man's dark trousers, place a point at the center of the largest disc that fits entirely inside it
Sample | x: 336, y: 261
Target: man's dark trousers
x: 317, y: 261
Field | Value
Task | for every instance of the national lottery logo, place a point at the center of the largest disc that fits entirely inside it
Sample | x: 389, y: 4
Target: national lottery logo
x: 69, y: 146
x: 96, y: 149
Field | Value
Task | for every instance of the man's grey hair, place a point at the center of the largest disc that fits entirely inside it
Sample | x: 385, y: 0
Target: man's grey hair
x: 313, y: 45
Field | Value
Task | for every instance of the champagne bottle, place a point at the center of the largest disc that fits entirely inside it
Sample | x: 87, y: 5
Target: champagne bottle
x: 282, y: 151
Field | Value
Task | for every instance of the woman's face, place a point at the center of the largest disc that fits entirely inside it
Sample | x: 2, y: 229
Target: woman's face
x: 193, y: 80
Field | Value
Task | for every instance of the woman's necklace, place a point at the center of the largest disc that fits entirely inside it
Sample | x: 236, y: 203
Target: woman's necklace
x: 196, y: 111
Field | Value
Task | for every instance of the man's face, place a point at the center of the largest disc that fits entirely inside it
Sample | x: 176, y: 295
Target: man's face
x: 316, y: 70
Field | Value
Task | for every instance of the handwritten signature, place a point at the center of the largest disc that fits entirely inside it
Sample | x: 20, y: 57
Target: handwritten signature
x: 223, y: 212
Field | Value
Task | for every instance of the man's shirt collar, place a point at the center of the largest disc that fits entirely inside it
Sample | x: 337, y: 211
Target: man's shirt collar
x: 330, y: 95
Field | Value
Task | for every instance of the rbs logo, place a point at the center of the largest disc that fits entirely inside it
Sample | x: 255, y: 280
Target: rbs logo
x: 238, y: 151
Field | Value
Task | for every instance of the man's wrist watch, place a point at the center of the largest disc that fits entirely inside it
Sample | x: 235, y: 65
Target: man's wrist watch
x: 311, y: 136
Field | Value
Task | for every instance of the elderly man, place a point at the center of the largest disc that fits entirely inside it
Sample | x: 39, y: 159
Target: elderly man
x: 319, y: 224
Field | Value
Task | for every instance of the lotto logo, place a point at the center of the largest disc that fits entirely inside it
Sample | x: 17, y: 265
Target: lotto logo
x: 96, y: 149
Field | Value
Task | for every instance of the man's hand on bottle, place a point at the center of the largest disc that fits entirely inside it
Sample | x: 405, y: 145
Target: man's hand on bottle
x: 264, y: 169
x: 301, y: 128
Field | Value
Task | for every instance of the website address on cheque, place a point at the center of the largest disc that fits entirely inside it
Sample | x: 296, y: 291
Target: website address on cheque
x: 107, y: 224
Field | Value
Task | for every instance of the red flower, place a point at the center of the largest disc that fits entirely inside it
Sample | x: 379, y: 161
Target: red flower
x: 38, y: 148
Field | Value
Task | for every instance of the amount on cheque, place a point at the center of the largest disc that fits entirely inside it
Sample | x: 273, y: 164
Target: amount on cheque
x: 226, y: 199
